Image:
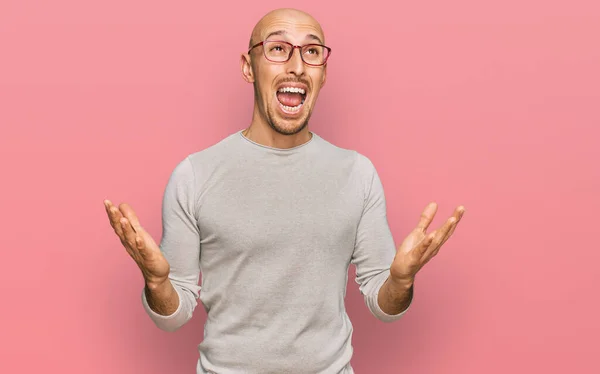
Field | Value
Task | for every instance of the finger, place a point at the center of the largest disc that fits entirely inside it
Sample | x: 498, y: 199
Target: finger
x: 128, y: 213
x: 424, y: 244
x: 437, y: 240
x: 128, y: 233
x: 449, y: 233
x: 460, y: 211
x: 109, y: 211
x: 133, y: 242
x: 107, y: 205
x: 427, y: 216
x: 141, y: 247
x: 115, y: 217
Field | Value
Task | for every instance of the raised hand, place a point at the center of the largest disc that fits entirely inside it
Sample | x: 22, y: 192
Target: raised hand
x: 419, y: 247
x: 138, y: 243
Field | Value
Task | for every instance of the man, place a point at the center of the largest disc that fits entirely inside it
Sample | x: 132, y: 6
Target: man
x: 272, y: 217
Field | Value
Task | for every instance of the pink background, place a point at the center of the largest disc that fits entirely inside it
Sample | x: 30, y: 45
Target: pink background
x: 493, y: 106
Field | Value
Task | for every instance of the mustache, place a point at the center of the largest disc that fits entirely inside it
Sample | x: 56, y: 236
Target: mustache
x: 294, y: 80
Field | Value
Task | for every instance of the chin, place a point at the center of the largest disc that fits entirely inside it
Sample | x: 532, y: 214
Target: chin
x: 287, y: 126
x: 287, y: 129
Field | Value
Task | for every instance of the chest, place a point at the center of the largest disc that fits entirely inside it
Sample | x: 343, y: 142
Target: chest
x: 307, y: 216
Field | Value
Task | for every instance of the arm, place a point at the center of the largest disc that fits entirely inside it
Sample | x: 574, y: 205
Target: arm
x: 395, y: 296
x: 162, y: 298
x: 386, y: 275
x: 170, y: 304
x: 375, y: 250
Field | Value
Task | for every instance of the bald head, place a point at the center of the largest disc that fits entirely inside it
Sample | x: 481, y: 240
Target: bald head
x: 281, y: 21
x: 276, y: 109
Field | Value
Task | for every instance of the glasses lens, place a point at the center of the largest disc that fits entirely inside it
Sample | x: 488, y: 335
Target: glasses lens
x: 314, y: 54
x: 277, y: 51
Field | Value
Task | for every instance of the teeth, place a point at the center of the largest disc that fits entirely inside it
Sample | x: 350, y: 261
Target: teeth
x: 292, y: 89
x: 291, y: 108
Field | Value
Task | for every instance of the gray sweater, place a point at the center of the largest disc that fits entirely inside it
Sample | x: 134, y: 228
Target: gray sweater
x: 273, y: 232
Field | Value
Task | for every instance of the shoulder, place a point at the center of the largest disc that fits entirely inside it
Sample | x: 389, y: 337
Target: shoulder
x: 215, y: 153
x: 330, y: 151
x: 356, y: 166
x: 194, y: 167
x: 360, y: 163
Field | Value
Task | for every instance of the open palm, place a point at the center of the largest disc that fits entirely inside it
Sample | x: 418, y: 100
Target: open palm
x: 419, y: 247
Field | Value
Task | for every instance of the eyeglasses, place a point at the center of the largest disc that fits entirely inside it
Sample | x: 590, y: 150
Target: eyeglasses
x: 280, y: 51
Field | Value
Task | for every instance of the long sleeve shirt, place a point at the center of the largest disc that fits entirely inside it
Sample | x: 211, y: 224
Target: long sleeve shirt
x: 272, y: 232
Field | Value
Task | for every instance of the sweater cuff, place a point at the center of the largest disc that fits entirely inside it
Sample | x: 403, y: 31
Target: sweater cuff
x: 168, y: 323
x: 380, y: 314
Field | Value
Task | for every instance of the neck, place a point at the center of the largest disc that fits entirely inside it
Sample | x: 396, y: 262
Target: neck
x: 260, y: 132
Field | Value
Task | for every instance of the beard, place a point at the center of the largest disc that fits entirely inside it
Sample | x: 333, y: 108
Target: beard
x: 278, y: 124
x: 280, y: 128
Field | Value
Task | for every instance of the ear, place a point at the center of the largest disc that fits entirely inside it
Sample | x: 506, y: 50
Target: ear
x: 324, y: 76
x: 246, y: 67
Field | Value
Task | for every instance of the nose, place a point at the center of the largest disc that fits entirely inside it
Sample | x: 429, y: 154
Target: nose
x: 295, y: 65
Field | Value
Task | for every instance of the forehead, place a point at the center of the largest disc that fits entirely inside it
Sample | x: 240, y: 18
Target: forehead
x: 295, y: 27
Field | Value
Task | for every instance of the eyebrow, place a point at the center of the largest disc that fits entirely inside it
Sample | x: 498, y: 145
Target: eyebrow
x: 283, y: 32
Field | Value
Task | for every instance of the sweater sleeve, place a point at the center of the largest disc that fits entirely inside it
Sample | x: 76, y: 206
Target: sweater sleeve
x: 374, y: 248
x: 180, y: 244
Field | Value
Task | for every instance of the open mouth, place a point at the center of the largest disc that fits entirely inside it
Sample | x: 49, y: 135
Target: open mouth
x: 291, y: 99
